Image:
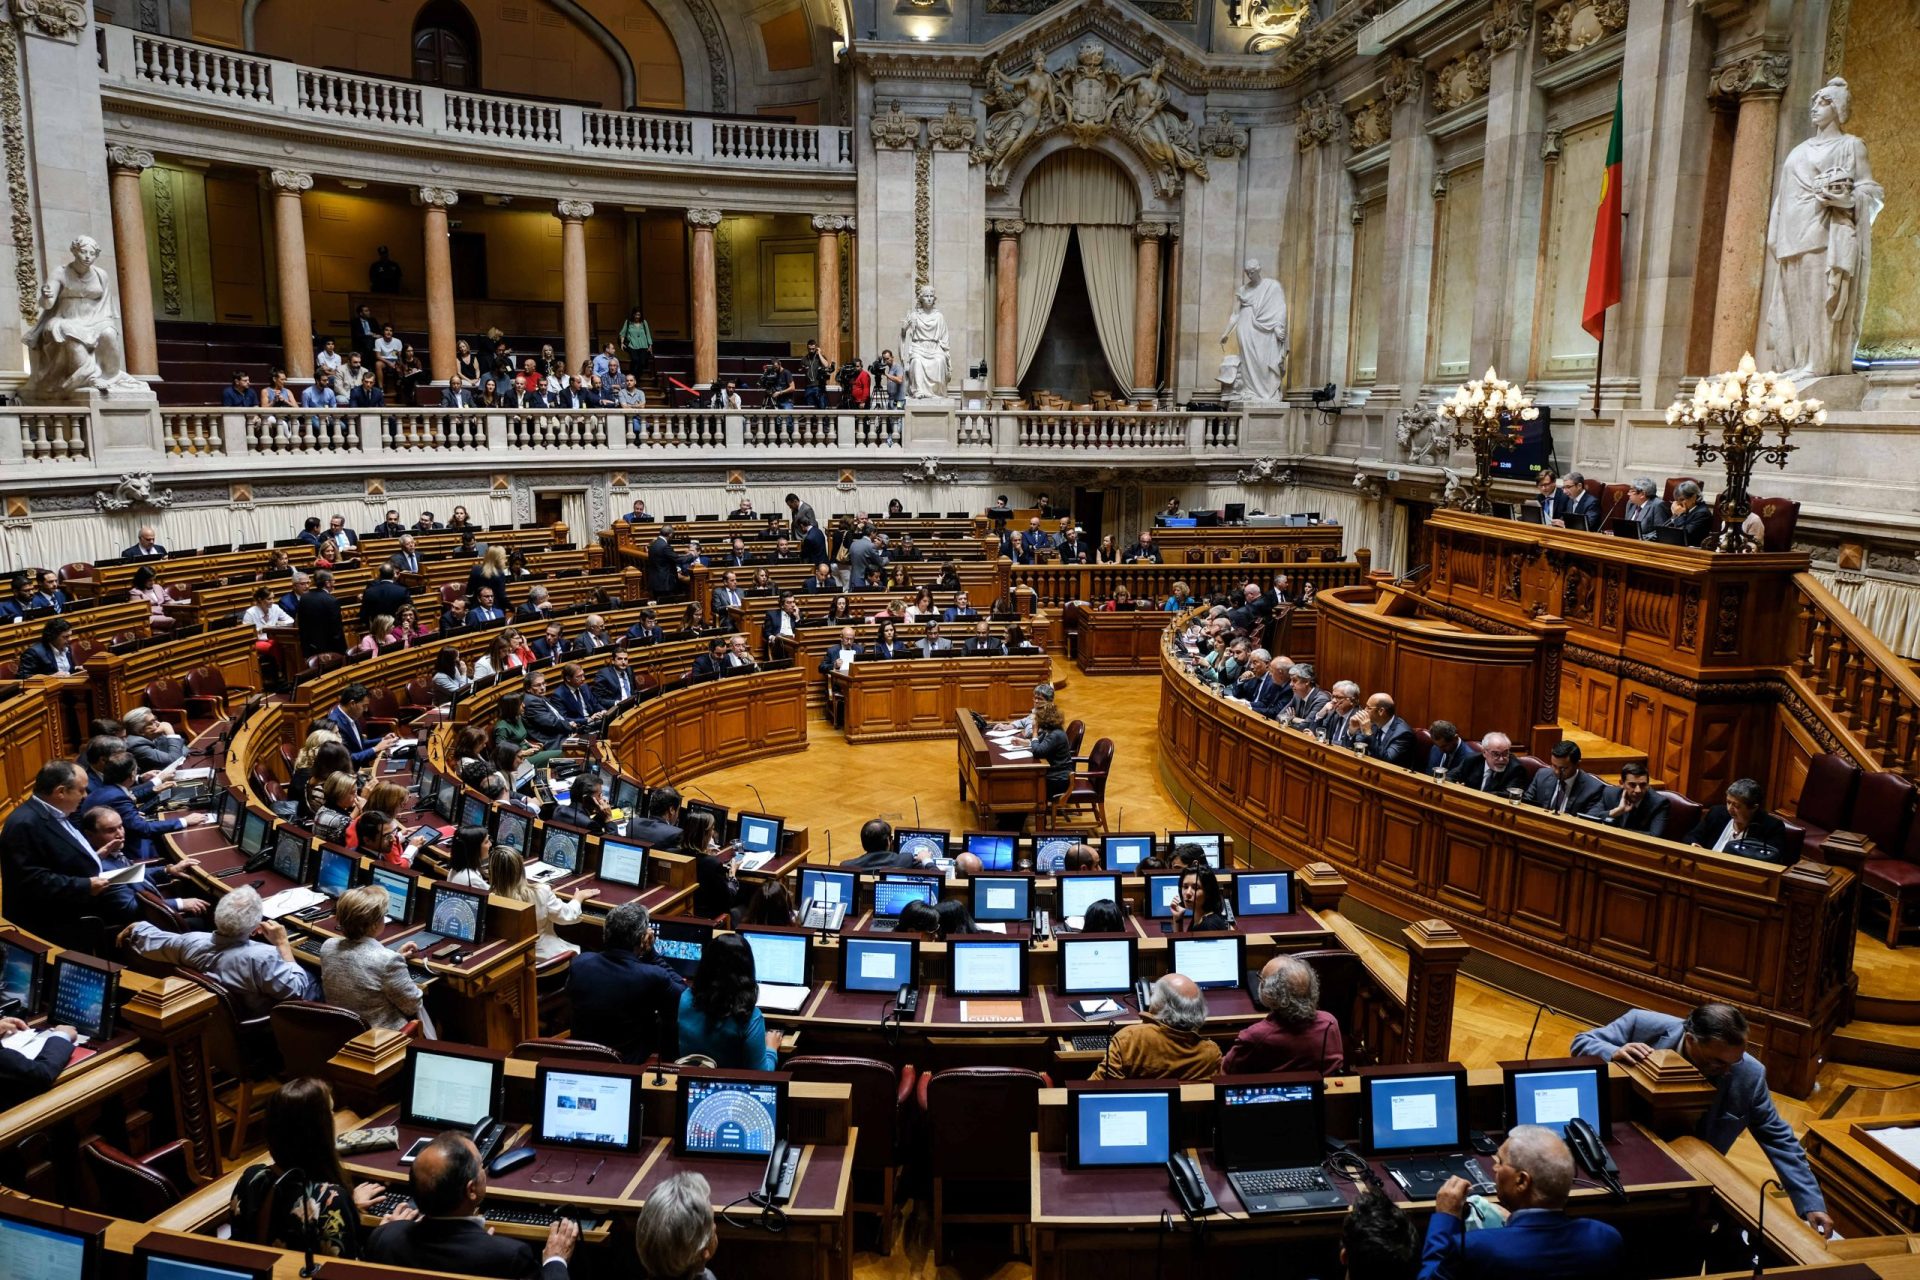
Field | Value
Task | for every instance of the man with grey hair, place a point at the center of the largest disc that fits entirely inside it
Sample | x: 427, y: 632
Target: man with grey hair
x: 1308, y: 699
x: 1689, y: 514
x: 1494, y: 770
x: 674, y: 1235
x: 1532, y: 1177
x: 260, y: 972
x: 1334, y: 723
x: 1644, y: 506
x: 624, y: 995
x: 153, y: 742
x: 1297, y: 1034
x: 1166, y: 1043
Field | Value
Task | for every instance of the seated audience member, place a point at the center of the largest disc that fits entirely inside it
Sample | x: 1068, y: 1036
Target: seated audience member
x: 52, y: 873
x: 345, y: 720
x: 1564, y: 787
x: 876, y: 849
x: 1334, y: 720
x: 1741, y: 815
x: 1296, y: 1035
x: 674, y: 1236
x: 1077, y: 857
x: 321, y: 1210
x: 52, y: 654
x: 646, y: 629
x: 660, y: 828
x: 932, y: 642
x: 919, y: 917
x: 1689, y: 514
x: 448, y: 1233
x: 1450, y: 752
x: 1392, y: 738
x: 105, y: 832
x: 586, y: 805
x: 1633, y: 805
x: 551, y: 646
x: 1261, y: 687
x: 961, y: 610
x: 1532, y: 1177
x: 1049, y: 743
x: 115, y: 792
x: 1103, y: 916
x: 954, y: 918
x: 449, y: 672
x: 146, y: 546
x: 1142, y: 551
x: 153, y: 742
x: 467, y: 857
x: 1714, y: 1039
x: 258, y: 972
x: 1200, y: 907
x: 1377, y: 1240
x: 1578, y: 509
x: 340, y: 800
x: 719, y: 1013
x: 715, y: 890
x: 706, y: 666
x: 483, y: 612
x: 1306, y: 699
x: 23, y: 1077
x: 377, y: 835
x: 1495, y: 769
x: 614, y: 684
x: 507, y: 875
x: 544, y: 722
x: 623, y: 997
x: 983, y: 643
x: 766, y: 902
x: 1166, y: 1044
x: 454, y: 617
x: 359, y: 972
x: 575, y: 700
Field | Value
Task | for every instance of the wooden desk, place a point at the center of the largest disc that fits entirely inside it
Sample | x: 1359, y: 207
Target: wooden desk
x: 995, y: 784
x: 712, y: 725
x: 1867, y: 1193
x: 1118, y: 642
x: 917, y: 697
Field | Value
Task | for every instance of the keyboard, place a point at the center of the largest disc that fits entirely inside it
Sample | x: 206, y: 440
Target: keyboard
x: 1268, y: 1182
x: 883, y: 924
x: 537, y: 1215
x: 1093, y: 1042
x: 309, y: 943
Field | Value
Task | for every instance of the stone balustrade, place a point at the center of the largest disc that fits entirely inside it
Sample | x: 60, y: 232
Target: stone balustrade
x: 247, y: 90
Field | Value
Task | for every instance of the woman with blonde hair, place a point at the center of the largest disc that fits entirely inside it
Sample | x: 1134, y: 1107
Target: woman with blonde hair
x: 359, y: 972
x: 508, y: 876
x: 491, y: 572
x: 341, y: 802
x: 380, y: 636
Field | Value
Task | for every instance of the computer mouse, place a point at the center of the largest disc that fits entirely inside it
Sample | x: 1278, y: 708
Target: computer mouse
x: 508, y: 1161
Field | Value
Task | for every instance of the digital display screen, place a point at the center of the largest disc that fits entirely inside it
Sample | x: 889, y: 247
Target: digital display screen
x: 29, y: 1249
x: 679, y: 945
x: 253, y: 833
x: 1414, y: 1113
x: 159, y: 1268
x: 561, y: 849
x: 335, y: 876
x: 1263, y: 893
x: 290, y: 855
x: 19, y: 980
x: 1123, y: 853
x: 876, y: 964
x: 1209, y: 842
x: 758, y: 834
x: 1267, y: 1125
x: 987, y: 968
x: 890, y: 897
x: 779, y: 958
x: 511, y: 831
x: 454, y: 914
x: 446, y: 797
x: 473, y: 812
x: 1050, y: 852
x: 1077, y: 893
x: 826, y: 886
x: 915, y: 842
x: 623, y: 863
x: 587, y: 1109
x: 730, y: 1117
x: 1096, y: 966
x: 81, y: 998
x: 1212, y: 963
x: 1551, y: 1098
x: 231, y: 807
x: 995, y: 898
x: 995, y: 850
x: 399, y: 887
x: 1163, y: 896
x: 449, y: 1091
x: 625, y: 795
x: 1121, y: 1128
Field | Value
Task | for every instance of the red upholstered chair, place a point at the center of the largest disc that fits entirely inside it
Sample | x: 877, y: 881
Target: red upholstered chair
x: 383, y: 711
x: 880, y: 1111
x: 1674, y: 482
x: 1778, y: 517
x: 1826, y: 797
x: 169, y: 701
x: 570, y: 1050
x: 1683, y: 815
x: 1613, y: 501
x: 1882, y: 808
x: 308, y: 1033
x: 138, y: 1187
x: 1893, y: 880
x: 1531, y: 765
x: 208, y: 686
x: 978, y: 1124
x: 1344, y: 991
x: 1794, y: 846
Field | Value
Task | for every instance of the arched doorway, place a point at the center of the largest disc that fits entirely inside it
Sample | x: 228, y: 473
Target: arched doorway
x: 446, y: 46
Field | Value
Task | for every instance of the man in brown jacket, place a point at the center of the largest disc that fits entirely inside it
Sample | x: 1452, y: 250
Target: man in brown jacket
x: 1166, y: 1043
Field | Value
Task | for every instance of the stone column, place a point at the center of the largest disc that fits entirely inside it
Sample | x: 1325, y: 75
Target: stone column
x: 1406, y: 266
x: 1146, y: 307
x: 826, y: 283
x: 441, y: 335
x: 706, y: 302
x: 1757, y: 83
x: 1006, y: 307
x: 1511, y: 176
x: 124, y: 166
x: 573, y: 215
x: 290, y: 260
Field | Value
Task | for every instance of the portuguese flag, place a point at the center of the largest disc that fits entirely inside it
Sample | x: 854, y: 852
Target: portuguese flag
x: 1603, y: 267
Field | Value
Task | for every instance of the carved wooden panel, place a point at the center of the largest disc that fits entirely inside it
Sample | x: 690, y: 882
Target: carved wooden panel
x: 1725, y: 949
x: 1468, y: 868
x: 1345, y: 821
x: 1542, y: 891
x: 1626, y: 919
x: 1399, y: 845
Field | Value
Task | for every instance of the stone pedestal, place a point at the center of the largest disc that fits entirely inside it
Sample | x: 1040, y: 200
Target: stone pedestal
x: 290, y: 264
x: 442, y: 340
x: 706, y: 309
x: 1756, y: 83
x: 927, y: 429
x: 124, y: 166
x: 573, y: 215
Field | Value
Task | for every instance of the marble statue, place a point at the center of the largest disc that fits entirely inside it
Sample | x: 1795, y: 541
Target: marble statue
x: 1025, y: 107
x: 75, y: 344
x: 1820, y: 234
x: 1260, y: 320
x: 926, y: 347
x: 1144, y: 109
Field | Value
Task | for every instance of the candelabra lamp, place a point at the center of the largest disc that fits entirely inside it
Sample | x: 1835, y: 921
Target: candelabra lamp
x: 1731, y: 415
x: 1486, y: 415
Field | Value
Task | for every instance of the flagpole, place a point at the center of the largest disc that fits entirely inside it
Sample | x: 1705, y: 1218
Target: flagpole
x: 1599, y: 356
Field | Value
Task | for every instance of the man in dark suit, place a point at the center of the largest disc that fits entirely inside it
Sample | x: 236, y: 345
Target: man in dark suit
x: 345, y: 719
x: 983, y: 643
x: 1564, y: 787
x: 1690, y: 514
x: 707, y: 665
x: 725, y: 596
x: 1033, y: 541
x: 1553, y: 503
x: 389, y: 527
x: 448, y: 1185
x: 427, y: 524
x: 663, y: 567
x: 545, y: 724
x: 961, y: 610
x: 622, y: 996
x: 586, y: 805
x: 52, y: 875
x: 1393, y: 739
x: 660, y: 829
x: 614, y: 684
x: 1494, y: 770
x: 1261, y: 686
x: 551, y: 645
x: 1072, y: 544
x: 310, y: 531
x: 138, y: 832
x: 384, y: 595
x: 1449, y: 751
x: 23, y: 1077
x: 1743, y: 816
x: 1250, y: 615
x: 645, y: 629
x: 318, y: 619
x: 1579, y: 509
x: 1142, y: 551
x: 147, y: 548
x: 575, y: 702
x: 1308, y: 700
x: 407, y: 558
x: 821, y: 583
x: 52, y: 653
x: 813, y: 545
x: 1333, y: 718
x: 1644, y: 506
x: 1633, y: 806
x: 783, y: 621
x: 343, y: 537
x: 1532, y: 1177
x: 877, y: 851
x: 454, y: 617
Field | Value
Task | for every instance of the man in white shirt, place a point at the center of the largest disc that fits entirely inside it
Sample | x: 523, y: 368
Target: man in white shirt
x: 327, y: 364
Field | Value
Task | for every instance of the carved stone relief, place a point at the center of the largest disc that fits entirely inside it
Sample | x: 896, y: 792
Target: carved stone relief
x: 922, y: 216
x: 166, y: 234
x: 1578, y: 23
x: 1403, y: 79
x: 893, y: 129
x: 1506, y: 25
x: 1761, y: 75
x: 1370, y: 124
x: 1221, y: 137
x: 955, y: 131
x: 722, y: 277
x: 1320, y: 120
x: 1460, y: 81
x: 13, y: 139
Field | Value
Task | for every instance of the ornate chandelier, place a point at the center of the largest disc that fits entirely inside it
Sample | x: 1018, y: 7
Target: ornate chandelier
x: 1486, y: 415
x: 1731, y: 414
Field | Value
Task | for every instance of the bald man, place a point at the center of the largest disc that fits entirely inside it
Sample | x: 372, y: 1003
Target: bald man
x: 1532, y: 1177
x: 1297, y: 1034
x: 968, y: 864
x: 1166, y: 1044
x: 447, y: 1233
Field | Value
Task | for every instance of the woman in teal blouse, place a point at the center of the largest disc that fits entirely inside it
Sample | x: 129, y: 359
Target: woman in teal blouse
x: 719, y: 1013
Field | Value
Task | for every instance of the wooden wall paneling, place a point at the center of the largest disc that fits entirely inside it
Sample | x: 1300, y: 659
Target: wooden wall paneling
x: 1627, y: 918
x: 1469, y: 868
x: 1793, y: 751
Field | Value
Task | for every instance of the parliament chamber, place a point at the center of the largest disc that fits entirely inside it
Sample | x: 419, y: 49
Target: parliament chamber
x: 959, y: 639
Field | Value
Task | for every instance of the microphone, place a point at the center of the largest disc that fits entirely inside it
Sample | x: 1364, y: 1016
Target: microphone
x: 657, y: 756
x: 1526, y: 1055
x: 916, y: 811
x: 1760, y: 1224
x: 757, y: 796
x: 1608, y: 518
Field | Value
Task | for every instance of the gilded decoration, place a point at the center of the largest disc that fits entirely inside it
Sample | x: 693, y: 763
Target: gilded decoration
x: 1370, y: 124
x: 1461, y: 81
x: 13, y: 141
x: 1579, y: 23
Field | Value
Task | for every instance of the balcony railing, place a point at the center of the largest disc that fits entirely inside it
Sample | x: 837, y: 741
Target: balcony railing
x: 225, y: 79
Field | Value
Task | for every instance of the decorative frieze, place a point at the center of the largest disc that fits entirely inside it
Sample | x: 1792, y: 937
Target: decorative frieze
x: 1320, y: 120
x: 13, y: 141
x: 1506, y: 24
x: 56, y: 19
x: 922, y: 217
x: 1461, y: 81
x: 1579, y: 23
x: 1370, y: 124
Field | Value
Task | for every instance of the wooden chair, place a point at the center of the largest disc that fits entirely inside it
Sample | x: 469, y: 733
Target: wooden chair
x: 241, y: 1050
x: 978, y: 1123
x: 138, y: 1187
x: 1893, y: 880
x: 880, y: 1101
x: 1683, y: 815
x: 307, y: 1033
x: 1779, y: 517
x: 1826, y: 797
x: 1086, y: 791
x: 208, y: 687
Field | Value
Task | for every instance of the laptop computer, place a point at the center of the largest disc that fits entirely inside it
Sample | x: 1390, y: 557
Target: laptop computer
x: 891, y: 894
x: 1666, y: 535
x: 1414, y: 1119
x: 1269, y: 1137
x: 780, y: 963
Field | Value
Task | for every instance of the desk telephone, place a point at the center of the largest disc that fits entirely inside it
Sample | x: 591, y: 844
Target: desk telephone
x: 1142, y: 993
x: 1196, y: 1198
x: 906, y: 1001
x: 777, y: 1187
x: 1591, y: 1155
x: 488, y: 1135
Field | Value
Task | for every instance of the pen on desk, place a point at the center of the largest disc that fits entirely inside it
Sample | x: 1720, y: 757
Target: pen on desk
x: 1401, y: 1179
x: 596, y: 1170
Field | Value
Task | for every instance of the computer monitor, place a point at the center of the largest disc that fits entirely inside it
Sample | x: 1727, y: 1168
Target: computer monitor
x: 1235, y: 512
x: 1110, y: 1127
x: 1215, y: 961
x: 891, y: 894
x: 1123, y: 850
x: 993, y: 848
x: 1050, y: 850
x: 450, y: 1086
x: 290, y: 848
x: 232, y: 805
x: 85, y: 991
x: 1163, y: 895
x: 22, y: 968
x: 1209, y: 841
x: 334, y: 875
x: 446, y: 797
x: 1263, y: 893
x: 473, y: 811
x: 779, y: 955
x: 560, y: 848
x: 455, y: 911
x: 510, y: 829
x: 623, y: 863
x: 1412, y: 1109
x: 626, y: 794
x: 680, y: 943
x: 399, y: 887
x: 718, y: 812
x: 1002, y: 897
x: 597, y: 1108
x: 175, y: 1258
x: 253, y: 832
x: 730, y: 1113
x: 915, y: 840
x: 45, y: 1242
x: 1268, y: 1121
x: 759, y: 833
x: 1549, y: 1092
x: 1096, y: 964
x: 425, y: 782
x: 1078, y: 892
x: 878, y: 962
x: 987, y: 966
x: 818, y: 884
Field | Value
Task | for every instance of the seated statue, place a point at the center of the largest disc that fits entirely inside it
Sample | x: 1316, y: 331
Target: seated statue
x: 75, y: 344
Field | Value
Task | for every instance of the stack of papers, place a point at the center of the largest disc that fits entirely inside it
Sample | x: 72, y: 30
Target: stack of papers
x: 1011, y: 754
x: 191, y: 775
x: 785, y: 999
x: 288, y: 901
x: 134, y: 873
x: 752, y: 861
x: 27, y: 1043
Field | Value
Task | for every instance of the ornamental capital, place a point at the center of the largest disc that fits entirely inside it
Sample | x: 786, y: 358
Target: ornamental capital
x: 1221, y: 137
x: 56, y: 19
x: 122, y: 156
x: 1763, y: 75
x: 290, y: 180
x: 703, y: 218
x: 1007, y: 228
x: 954, y: 131
x: 1320, y: 120
x: 1150, y: 230
x: 832, y: 223
x: 1404, y: 79
x: 440, y: 197
x: 572, y: 210
x: 894, y: 130
x: 1507, y: 25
